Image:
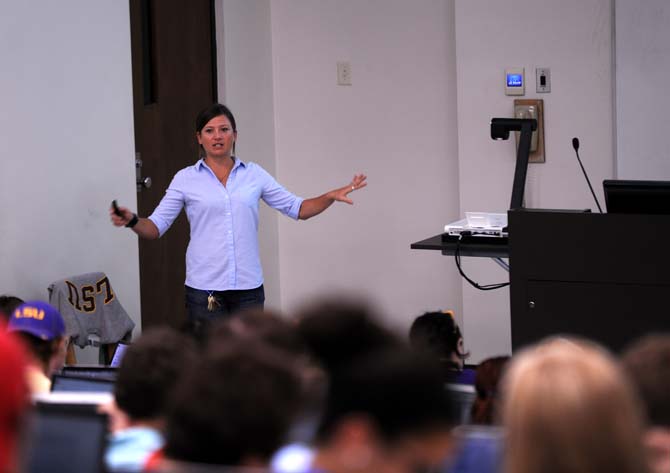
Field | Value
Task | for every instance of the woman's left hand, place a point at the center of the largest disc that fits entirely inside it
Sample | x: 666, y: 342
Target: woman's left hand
x: 314, y: 206
x: 341, y: 194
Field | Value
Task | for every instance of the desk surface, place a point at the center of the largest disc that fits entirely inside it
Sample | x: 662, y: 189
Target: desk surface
x: 487, y: 247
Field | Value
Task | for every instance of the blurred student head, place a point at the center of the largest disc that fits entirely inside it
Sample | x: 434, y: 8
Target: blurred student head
x: 439, y: 334
x: 149, y: 371
x: 234, y: 407
x: 647, y: 363
x: 337, y: 331
x: 261, y: 325
x: 269, y: 328
x: 8, y: 304
x: 486, y: 404
x: 386, y: 412
x: 568, y: 408
x: 42, y: 330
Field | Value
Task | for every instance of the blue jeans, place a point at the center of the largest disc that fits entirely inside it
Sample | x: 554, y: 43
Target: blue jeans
x: 227, y: 303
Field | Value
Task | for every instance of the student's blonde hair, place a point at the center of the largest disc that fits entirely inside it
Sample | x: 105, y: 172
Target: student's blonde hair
x: 568, y: 408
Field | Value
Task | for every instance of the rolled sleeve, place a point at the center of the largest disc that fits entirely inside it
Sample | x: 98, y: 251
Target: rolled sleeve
x: 277, y: 197
x: 169, y: 207
x: 294, y: 213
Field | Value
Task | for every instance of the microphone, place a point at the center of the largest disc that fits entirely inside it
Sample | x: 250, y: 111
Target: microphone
x: 575, y: 145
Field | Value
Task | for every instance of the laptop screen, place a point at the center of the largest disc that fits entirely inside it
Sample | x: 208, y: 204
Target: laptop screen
x: 118, y: 355
x: 64, y: 438
x: 62, y: 382
x: 91, y: 371
x: 637, y: 197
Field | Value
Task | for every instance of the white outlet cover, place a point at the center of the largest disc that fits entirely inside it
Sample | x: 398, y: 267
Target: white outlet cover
x: 539, y: 73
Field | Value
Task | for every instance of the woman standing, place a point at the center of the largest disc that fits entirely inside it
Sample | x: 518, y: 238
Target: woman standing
x: 220, y: 194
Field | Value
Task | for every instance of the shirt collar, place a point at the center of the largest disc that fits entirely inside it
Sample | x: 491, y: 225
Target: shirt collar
x: 238, y: 163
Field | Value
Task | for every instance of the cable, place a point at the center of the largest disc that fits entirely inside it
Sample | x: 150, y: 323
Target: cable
x: 457, y: 256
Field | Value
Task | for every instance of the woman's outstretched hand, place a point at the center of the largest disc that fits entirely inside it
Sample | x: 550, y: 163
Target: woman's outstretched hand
x: 316, y: 205
x: 342, y: 194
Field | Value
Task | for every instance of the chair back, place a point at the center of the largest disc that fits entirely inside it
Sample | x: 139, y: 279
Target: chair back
x: 92, y: 313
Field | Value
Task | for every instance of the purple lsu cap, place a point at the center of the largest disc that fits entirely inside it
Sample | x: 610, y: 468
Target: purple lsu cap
x: 37, y: 318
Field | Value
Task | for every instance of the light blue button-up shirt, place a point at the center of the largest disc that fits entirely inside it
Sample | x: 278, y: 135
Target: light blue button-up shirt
x: 223, y: 251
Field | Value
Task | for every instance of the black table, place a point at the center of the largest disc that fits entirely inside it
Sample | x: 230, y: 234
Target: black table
x: 478, y: 246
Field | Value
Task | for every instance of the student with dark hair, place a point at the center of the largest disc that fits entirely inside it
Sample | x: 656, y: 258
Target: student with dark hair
x: 220, y: 194
x: 487, y: 378
x: 647, y: 362
x: 255, y: 324
x: 269, y: 328
x: 233, y: 408
x: 42, y: 330
x: 149, y: 371
x: 386, y: 412
x: 337, y: 331
x: 8, y: 305
x: 438, y: 334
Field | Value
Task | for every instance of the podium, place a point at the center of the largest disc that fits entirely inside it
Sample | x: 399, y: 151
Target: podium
x: 605, y: 277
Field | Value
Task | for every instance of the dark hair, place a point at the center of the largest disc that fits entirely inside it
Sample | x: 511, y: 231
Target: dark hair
x: 437, y: 333
x: 8, y: 305
x: 213, y: 111
x: 485, y: 406
x: 338, y: 332
x: 149, y: 371
x: 266, y: 327
x: 257, y: 324
x: 236, y: 404
x: 41, y: 350
x: 647, y: 362
x: 399, y: 390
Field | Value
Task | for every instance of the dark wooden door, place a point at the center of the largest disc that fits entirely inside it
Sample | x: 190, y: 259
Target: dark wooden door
x: 174, y: 77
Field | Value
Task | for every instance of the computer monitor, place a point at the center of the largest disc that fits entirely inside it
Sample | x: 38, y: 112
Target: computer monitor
x: 637, y: 197
x: 65, y: 382
x: 63, y: 438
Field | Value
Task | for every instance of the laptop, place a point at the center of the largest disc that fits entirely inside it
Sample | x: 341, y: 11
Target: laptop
x: 69, y: 383
x: 91, y: 371
x: 65, y: 437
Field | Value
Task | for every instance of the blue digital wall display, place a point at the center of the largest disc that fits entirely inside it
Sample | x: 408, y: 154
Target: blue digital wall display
x: 514, y: 80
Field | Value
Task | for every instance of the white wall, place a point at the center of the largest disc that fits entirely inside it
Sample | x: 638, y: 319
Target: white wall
x: 245, y: 84
x: 66, y: 145
x: 642, y: 99
x: 396, y: 123
x: 573, y: 39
